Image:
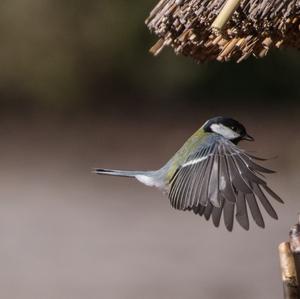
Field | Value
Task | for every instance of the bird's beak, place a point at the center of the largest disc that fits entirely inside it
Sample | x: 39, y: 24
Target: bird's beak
x: 248, y: 138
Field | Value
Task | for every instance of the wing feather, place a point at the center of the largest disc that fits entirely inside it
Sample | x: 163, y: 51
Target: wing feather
x: 264, y: 201
x: 254, y: 166
x: 228, y: 212
x: 196, y: 173
x: 208, y: 210
x: 219, y: 178
x: 201, y: 211
x: 183, y: 189
x: 225, y: 185
x: 213, y: 186
x: 254, y: 209
x: 204, y: 200
x: 246, y: 173
x: 199, y: 186
x: 217, y: 213
x: 182, y: 175
x: 241, y: 211
x: 273, y: 194
x: 235, y: 176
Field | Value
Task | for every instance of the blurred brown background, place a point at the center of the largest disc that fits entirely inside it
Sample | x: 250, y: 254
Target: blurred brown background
x: 78, y: 89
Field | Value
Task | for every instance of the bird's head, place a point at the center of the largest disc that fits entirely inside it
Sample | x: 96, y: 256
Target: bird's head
x: 228, y: 128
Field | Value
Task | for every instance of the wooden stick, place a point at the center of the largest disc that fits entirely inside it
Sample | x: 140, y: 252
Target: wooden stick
x: 288, y: 271
x: 225, y: 14
x: 157, y: 48
x: 295, y: 246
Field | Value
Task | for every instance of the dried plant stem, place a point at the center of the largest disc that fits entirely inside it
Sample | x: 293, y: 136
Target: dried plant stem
x: 225, y: 14
x: 249, y: 27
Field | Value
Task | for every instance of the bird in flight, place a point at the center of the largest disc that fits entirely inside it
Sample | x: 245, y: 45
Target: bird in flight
x: 210, y: 176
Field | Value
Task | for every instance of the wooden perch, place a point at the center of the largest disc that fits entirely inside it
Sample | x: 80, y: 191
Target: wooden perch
x: 289, y: 255
x: 288, y: 272
x: 295, y: 247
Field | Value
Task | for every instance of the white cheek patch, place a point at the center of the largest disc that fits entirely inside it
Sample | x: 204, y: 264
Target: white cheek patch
x: 224, y: 131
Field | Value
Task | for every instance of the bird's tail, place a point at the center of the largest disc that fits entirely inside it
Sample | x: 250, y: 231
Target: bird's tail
x: 124, y: 173
x: 148, y: 178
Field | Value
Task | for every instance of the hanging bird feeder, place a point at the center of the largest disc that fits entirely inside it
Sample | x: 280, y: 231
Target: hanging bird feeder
x: 225, y: 30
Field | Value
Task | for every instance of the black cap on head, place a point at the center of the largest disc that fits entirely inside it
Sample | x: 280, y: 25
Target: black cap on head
x: 230, y: 123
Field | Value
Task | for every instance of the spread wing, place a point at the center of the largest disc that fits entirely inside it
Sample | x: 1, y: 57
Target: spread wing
x: 219, y: 178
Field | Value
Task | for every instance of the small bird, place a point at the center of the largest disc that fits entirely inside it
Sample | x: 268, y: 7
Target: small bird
x: 211, y: 175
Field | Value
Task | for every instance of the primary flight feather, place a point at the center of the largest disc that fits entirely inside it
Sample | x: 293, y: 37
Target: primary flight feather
x: 210, y: 175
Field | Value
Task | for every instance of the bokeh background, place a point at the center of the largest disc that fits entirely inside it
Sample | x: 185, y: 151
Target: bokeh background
x: 78, y: 89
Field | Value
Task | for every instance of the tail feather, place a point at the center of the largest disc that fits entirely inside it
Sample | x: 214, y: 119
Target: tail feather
x: 123, y: 173
x: 148, y: 178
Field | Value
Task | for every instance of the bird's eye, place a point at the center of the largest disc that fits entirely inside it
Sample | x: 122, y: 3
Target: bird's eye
x: 233, y: 128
